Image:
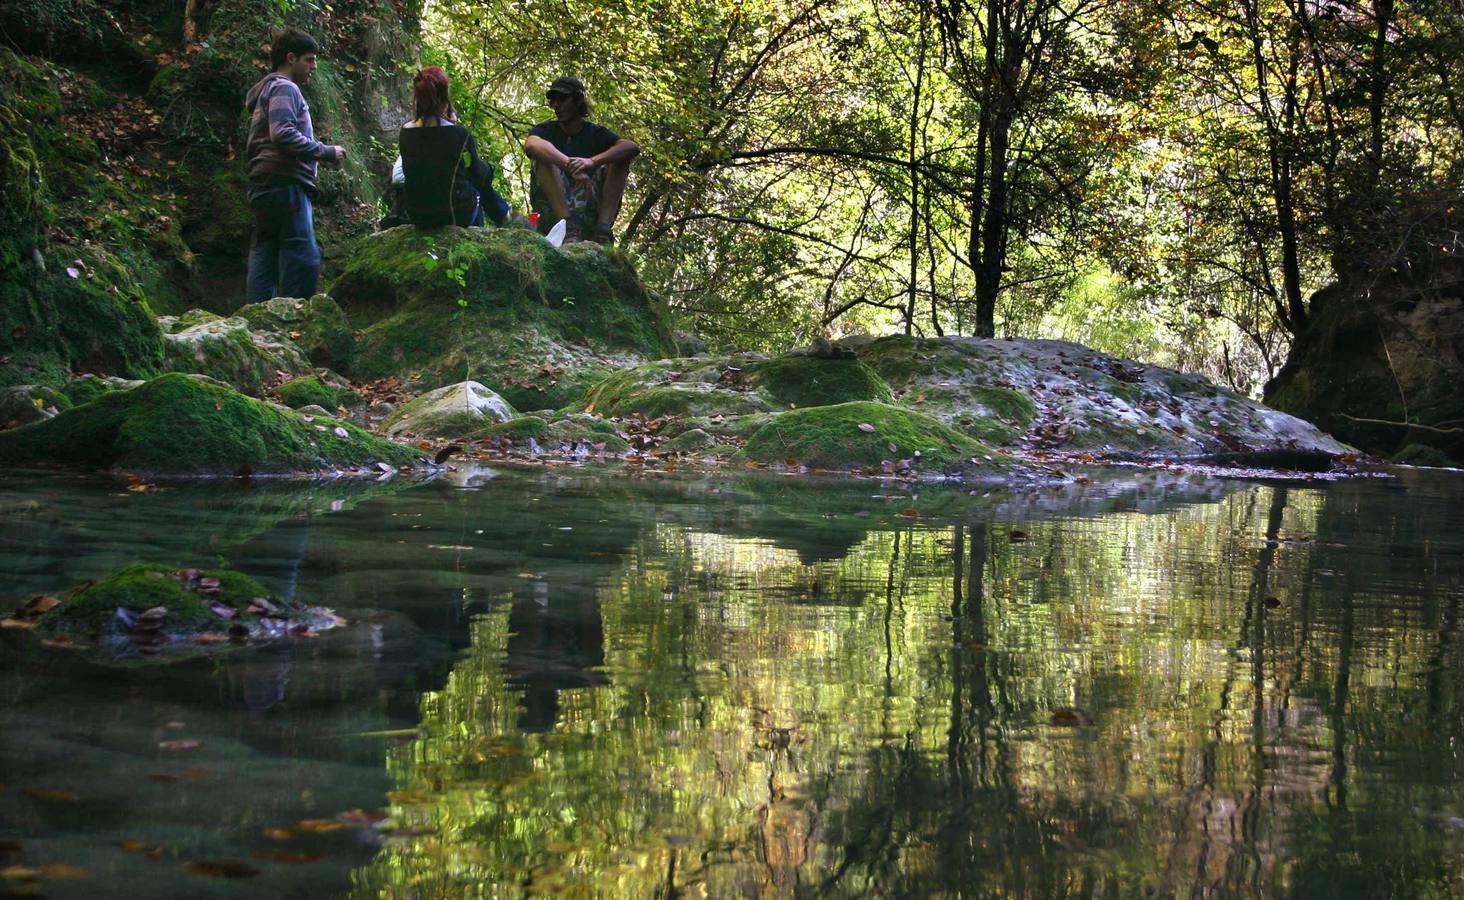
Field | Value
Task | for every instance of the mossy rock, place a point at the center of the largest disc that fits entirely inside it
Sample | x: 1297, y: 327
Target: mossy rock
x: 453, y: 411
x: 830, y: 437
x: 1423, y: 455
x: 498, y: 306
x: 54, y: 322
x: 317, y: 326
x: 87, y: 388
x: 566, y: 430
x: 187, y: 595
x: 676, y: 387
x: 230, y: 351
x: 308, y: 391
x: 811, y: 381
x: 180, y: 425
x: 21, y: 404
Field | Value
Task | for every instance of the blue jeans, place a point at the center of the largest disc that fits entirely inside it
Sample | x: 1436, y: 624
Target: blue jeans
x: 283, y: 258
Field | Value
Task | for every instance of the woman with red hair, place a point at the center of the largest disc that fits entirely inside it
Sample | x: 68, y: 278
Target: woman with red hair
x: 444, y: 176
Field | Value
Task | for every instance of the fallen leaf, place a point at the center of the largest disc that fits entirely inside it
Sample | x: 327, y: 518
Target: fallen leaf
x: 287, y: 856
x: 278, y: 834
x: 319, y: 826
x: 221, y: 868
x: 32, y: 873
x: 131, y: 846
x: 341, y: 432
x: 179, y: 746
x: 15, y: 624
x: 866, y: 428
x: 51, y: 796
x: 911, y: 513
x: 71, y: 270
x: 42, y: 603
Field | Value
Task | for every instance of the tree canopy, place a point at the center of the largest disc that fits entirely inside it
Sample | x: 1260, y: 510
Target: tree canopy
x: 1166, y: 181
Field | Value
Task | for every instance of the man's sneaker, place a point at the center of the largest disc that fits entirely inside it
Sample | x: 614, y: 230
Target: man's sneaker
x: 603, y: 235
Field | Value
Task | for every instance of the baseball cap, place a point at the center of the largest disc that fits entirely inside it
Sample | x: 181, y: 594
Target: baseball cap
x: 567, y: 84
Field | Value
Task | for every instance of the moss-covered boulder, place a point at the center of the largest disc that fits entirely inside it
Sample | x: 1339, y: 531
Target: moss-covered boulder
x: 734, y: 385
x: 311, y: 390
x: 317, y: 326
x: 21, y: 404
x: 453, y: 411
x: 498, y: 306
x: 179, y: 425
x: 229, y: 350
x: 1060, y: 396
x: 194, y: 600
x: 861, y: 433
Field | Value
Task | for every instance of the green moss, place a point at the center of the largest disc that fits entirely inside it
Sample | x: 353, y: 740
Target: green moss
x: 488, y: 304
x: 96, y: 322
x: 809, y: 381
x: 227, y: 350
x: 143, y: 586
x: 900, y: 359
x: 317, y: 326
x: 86, y: 389
x: 298, y: 392
x: 179, y: 425
x: 830, y: 437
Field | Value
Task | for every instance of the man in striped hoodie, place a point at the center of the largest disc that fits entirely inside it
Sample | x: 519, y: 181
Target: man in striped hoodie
x: 284, y: 260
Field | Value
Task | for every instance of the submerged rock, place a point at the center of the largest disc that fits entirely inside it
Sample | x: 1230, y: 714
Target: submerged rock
x: 498, y: 306
x: 452, y: 411
x: 180, y: 425
x: 151, y: 610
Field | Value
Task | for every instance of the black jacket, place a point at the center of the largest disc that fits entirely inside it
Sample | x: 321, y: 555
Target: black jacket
x: 444, y: 174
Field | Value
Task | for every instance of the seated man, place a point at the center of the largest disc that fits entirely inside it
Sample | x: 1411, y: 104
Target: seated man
x: 580, y: 168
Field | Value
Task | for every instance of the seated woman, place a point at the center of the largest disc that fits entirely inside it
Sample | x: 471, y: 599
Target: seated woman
x: 443, y: 173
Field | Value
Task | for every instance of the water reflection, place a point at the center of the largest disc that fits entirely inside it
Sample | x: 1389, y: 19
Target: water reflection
x: 1245, y: 697
x: 1154, y: 685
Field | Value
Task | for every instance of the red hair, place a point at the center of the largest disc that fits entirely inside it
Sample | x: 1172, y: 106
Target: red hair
x: 434, y: 99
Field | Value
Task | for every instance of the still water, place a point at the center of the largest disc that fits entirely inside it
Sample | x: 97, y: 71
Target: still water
x: 565, y: 682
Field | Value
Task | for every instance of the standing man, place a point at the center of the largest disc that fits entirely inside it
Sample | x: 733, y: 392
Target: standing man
x: 284, y: 260
x: 580, y: 168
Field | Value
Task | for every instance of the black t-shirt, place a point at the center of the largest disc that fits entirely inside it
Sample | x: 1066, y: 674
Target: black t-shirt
x: 586, y: 142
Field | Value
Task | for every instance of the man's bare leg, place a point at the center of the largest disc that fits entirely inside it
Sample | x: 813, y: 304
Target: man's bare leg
x: 553, y: 190
x: 611, y: 193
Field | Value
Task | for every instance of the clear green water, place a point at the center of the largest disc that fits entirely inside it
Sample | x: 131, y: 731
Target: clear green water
x: 591, y: 685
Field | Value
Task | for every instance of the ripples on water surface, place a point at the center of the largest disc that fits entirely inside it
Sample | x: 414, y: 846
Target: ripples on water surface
x: 591, y: 685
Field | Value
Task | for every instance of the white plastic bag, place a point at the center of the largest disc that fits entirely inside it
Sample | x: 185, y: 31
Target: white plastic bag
x: 555, y: 237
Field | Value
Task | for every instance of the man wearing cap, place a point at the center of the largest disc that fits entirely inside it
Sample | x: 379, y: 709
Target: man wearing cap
x: 580, y: 168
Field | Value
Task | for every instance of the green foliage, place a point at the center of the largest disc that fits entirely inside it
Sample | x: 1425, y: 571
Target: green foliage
x: 179, y: 425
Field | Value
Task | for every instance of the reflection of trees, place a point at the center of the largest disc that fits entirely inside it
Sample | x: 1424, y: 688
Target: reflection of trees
x: 1109, y: 706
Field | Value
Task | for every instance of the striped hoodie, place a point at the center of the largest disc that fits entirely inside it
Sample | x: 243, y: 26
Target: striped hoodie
x: 282, y: 144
